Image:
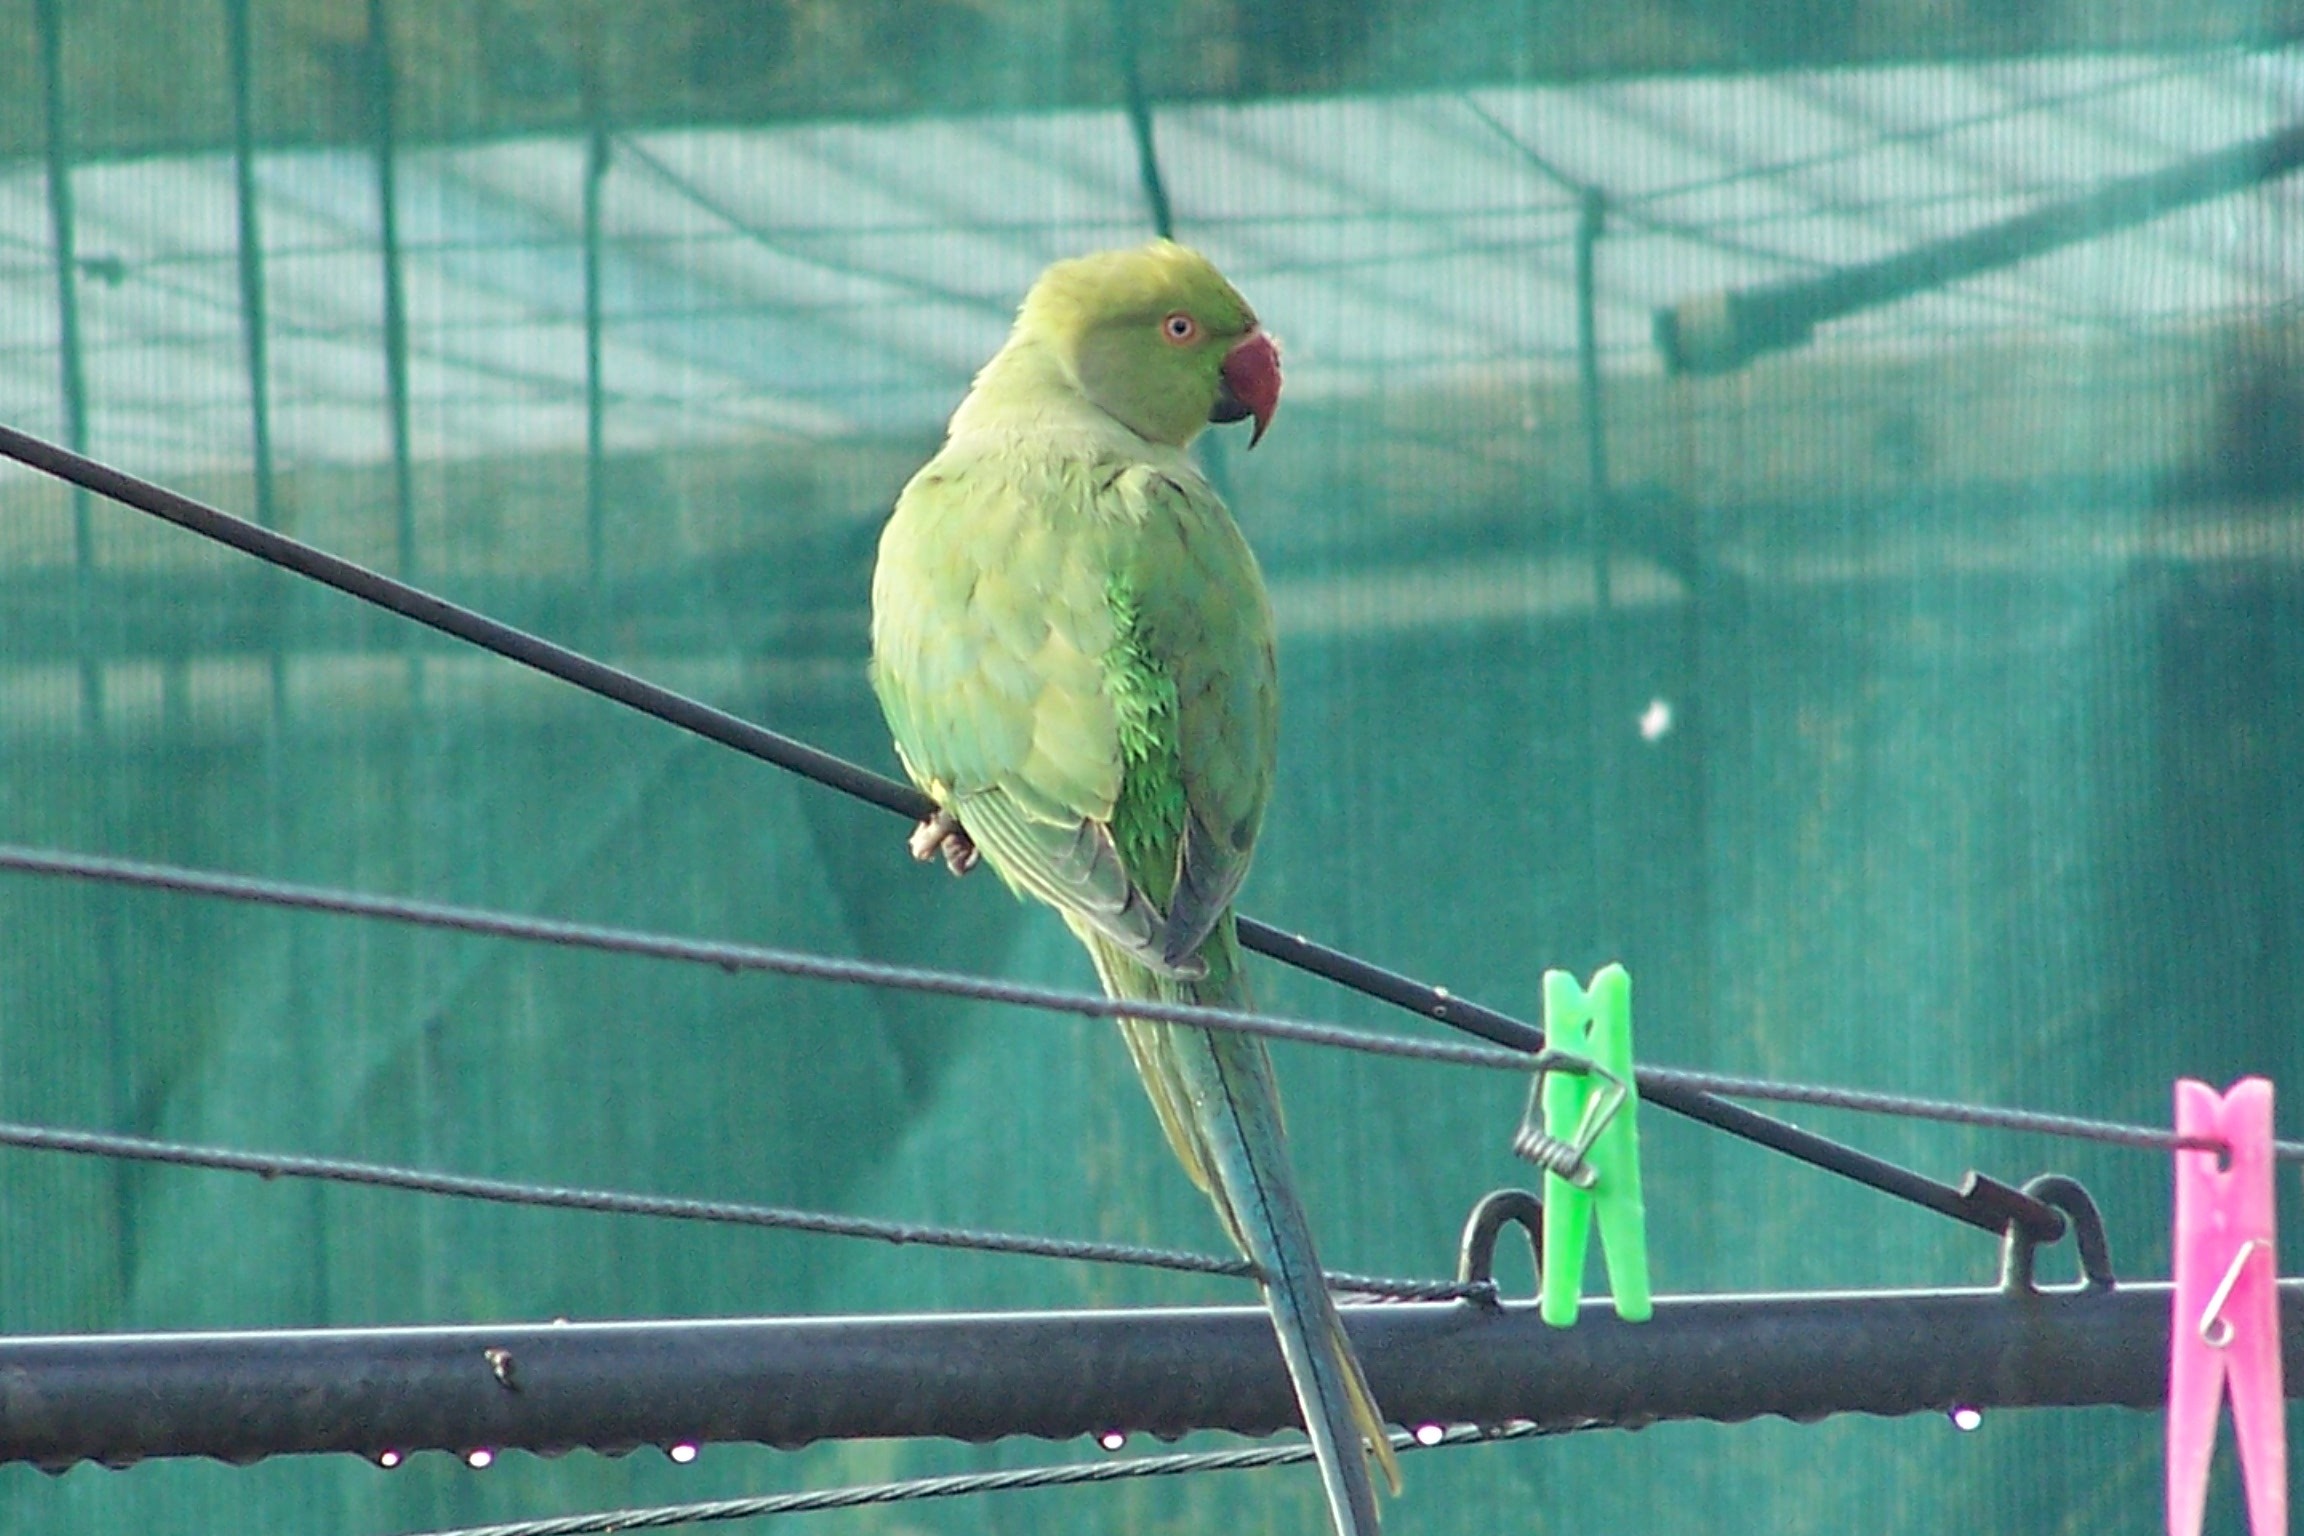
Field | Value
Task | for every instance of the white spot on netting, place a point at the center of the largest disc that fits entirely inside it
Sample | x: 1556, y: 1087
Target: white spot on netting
x: 1656, y: 720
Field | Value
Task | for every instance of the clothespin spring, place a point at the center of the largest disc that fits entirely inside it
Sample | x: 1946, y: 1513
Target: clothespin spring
x: 1567, y: 1157
x: 2215, y: 1327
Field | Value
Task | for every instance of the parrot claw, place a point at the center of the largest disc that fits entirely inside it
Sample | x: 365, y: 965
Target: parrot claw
x: 943, y: 834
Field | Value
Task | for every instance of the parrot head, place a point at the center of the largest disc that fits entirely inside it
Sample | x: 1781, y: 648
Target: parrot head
x: 1156, y: 338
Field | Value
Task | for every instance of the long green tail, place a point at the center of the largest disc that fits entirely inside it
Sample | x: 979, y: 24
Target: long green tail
x: 1215, y: 1097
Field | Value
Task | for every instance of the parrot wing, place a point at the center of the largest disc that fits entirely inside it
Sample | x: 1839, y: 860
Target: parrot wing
x: 1071, y: 863
x: 993, y: 623
x: 1209, y: 869
x: 1201, y: 615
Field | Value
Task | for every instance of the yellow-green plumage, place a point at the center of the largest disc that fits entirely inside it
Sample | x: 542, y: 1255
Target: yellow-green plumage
x: 1073, y: 647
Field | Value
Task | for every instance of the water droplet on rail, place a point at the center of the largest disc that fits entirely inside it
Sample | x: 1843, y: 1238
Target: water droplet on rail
x: 682, y: 1453
x: 1965, y: 1417
x: 389, y: 1459
x: 1112, y: 1439
x: 1430, y: 1434
x: 479, y: 1456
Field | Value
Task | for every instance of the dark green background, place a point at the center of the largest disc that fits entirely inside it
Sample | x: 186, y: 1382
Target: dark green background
x: 1981, y: 784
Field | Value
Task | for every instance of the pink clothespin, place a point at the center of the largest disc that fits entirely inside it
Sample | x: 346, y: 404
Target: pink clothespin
x: 2227, y: 1321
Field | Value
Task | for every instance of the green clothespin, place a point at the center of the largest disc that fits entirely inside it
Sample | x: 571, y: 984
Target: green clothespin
x: 1589, y: 1147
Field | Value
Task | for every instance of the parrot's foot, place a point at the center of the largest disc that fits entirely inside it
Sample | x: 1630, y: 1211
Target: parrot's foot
x: 943, y: 834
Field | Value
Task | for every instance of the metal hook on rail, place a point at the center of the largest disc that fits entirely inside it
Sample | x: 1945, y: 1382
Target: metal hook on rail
x: 1476, y: 1254
x: 2019, y: 1247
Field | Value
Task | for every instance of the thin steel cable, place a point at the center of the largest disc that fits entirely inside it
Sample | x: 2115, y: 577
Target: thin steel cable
x: 2201, y: 69
x: 1658, y: 223
x: 1636, y: 213
x: 277, y: 1165
x: 2041, y: 1122
x: 1639, y: 208
x: 912, y: 1490
x: 633, y: 147
x: 748, y: 957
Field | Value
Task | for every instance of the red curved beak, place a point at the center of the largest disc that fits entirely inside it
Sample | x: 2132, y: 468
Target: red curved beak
x: 1250, y: 384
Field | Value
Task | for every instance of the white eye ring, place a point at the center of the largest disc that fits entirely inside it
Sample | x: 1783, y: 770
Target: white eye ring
x: 1180, y: 329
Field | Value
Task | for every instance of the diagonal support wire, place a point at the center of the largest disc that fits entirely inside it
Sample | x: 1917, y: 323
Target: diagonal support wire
x: 1990, y: 1211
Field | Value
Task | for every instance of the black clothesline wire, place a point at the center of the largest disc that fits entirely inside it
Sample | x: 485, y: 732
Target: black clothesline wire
x: 1984, y: 1204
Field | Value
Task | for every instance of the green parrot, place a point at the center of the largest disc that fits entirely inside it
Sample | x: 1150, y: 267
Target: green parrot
x: 1074, y: 650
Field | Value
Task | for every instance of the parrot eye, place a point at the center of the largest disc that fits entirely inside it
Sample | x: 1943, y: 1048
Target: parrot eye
x: 1180, y: 329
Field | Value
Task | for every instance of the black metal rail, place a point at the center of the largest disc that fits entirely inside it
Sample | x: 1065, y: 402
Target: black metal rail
x: 614, y: 1386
